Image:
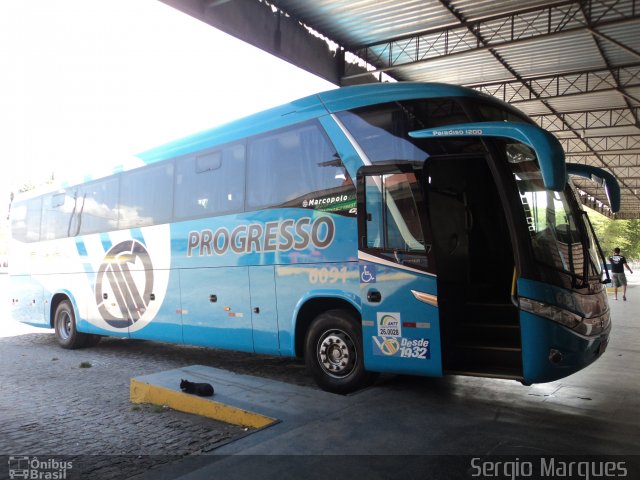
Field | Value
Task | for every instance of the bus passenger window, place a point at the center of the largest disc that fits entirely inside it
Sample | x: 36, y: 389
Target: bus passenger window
x: 297, y: 167
x: 210, y: 183
x: 57, y: 210
x: 25, y: 220
x: 146, y: 196
x: 95, y: 207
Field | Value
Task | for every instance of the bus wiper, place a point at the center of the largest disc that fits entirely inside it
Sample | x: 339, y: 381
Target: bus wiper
x: 574, y: 276
x: 576, y: 280
x: 599, y: 247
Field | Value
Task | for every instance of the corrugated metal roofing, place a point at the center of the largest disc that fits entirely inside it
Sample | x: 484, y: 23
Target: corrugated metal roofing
x: 570, y: 52
x: 634, y: 93
x: 548, y: 57
x: 361, y: 22
x: 463, y: 69
x: 533, y: 107
x: 566, y: 47
x: 628, y: 35
x: 480, y: 9
x: 588, y: 101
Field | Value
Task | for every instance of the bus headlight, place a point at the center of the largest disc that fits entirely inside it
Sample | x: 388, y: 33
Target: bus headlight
x: 560, y: 315
x: 581, y: 325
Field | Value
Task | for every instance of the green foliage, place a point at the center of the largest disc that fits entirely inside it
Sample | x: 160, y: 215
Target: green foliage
x: 26, y: 187
x: 633, y: 227
x: 624, y: 234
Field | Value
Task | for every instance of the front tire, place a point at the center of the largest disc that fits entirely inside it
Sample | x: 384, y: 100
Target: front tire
x: 64, y: 323
x: 333, y: 352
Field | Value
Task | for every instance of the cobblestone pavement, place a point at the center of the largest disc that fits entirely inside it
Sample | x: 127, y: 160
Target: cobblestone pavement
x: 50, y: 405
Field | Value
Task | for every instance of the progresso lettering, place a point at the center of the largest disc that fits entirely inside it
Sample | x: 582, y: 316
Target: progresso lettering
x: 268, y: 237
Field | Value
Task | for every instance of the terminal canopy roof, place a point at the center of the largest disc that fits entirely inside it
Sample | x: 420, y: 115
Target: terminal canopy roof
x: 573, y: 66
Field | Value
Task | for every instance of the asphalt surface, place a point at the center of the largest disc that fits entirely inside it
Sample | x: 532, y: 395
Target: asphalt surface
x: 75, y: 403
x: 49, y: 405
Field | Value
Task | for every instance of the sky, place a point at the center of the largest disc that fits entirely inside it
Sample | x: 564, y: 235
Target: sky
x: 87, y: 84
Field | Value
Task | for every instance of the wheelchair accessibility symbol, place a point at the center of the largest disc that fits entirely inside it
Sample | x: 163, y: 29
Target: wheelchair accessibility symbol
x: 367, y: 274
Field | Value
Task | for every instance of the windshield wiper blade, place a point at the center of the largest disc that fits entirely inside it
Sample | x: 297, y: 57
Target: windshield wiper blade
x: 599, y: 247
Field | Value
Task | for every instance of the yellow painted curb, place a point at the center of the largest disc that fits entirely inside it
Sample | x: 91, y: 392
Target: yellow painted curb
x: 141, y: 392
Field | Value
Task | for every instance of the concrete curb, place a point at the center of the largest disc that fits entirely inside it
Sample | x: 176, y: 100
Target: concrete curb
x: 147, y: 389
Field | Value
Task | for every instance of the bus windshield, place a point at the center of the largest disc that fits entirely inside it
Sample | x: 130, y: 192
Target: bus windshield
x: 559, y: 236
x: 554, y: 219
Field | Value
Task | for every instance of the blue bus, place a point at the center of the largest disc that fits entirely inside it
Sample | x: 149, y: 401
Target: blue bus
x: 409, y: 228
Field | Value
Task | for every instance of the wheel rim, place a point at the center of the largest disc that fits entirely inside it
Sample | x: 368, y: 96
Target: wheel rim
x: 64, y: 325
x: 337, y: 353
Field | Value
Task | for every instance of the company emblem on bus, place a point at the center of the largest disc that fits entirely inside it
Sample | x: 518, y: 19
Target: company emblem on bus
x: 386, y: 346
x: 418, y: 348
x: 124, y: 284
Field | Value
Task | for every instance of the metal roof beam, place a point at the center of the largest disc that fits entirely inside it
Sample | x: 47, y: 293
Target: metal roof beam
x: 499, y: 31
x: 618, y: 44
x: 612, y: 161
x: 274, y: 31
x: 482, y: 41
x: 589, y: 119
x: 564, y: 85
x: 600, y: 144
x: 605, y: 152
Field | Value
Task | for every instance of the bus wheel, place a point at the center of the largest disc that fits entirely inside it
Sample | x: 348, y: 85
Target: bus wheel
x: 65, y: 327
x: 333, y: 352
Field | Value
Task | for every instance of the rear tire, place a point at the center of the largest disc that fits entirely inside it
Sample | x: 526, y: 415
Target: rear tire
x: 333, y: 352
x: 64, y: 323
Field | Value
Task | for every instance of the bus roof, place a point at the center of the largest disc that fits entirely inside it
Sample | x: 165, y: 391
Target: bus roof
x: 305, y: 109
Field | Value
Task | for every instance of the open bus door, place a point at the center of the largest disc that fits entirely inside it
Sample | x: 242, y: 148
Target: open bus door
x: 400, y: 317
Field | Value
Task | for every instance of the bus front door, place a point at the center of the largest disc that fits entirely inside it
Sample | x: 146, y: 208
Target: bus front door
x: 400, y: 317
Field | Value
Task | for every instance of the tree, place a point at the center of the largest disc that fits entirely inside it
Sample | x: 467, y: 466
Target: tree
x: 624, y: 234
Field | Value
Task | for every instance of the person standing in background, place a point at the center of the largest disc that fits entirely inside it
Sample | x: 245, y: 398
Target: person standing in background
x: 618, y: 262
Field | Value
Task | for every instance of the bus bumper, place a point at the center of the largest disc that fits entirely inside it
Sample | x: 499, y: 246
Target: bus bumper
x: 551, y: 351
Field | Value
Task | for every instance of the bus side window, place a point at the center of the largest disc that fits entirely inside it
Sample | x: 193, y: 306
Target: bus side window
x: 146, y: 196
x: 210, y: 183
x: 374, y: 212
x: 294, y: 167
x: 56, y: 215
x: 96, y: 207
x: 393, y: 225
x: 25, y: 220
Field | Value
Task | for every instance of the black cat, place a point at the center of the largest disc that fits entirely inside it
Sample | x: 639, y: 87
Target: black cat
x: 201, y: 389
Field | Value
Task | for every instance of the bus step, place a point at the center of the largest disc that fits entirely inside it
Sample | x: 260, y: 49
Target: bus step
x: 493, y: 314
x: 496, y: 372
x: 488, y: 347
x: 489, y: 335
x: 489, y: 326
x: 481, y: 305
x: 478, y: 359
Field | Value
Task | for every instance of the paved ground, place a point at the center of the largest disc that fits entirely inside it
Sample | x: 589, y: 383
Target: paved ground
x: 53, y: 406
x: 50, y: 405
x: 433, y: 428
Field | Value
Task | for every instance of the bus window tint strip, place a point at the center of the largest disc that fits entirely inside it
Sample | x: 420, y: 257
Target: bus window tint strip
x: 295, y: 167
